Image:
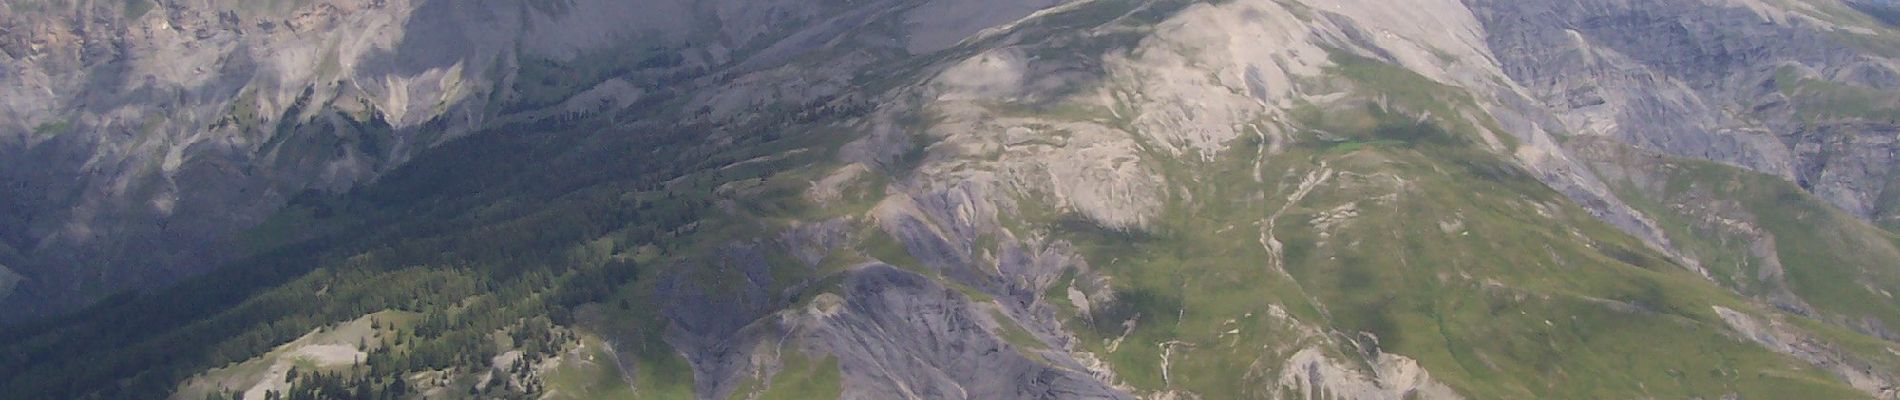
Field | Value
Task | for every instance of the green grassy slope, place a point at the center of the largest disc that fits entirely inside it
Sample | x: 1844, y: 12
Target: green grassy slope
x: 1839, y: 265
x: 1443, y: 252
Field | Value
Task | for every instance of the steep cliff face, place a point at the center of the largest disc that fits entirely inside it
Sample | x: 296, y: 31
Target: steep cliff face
x: 1806, y: 92
x: 137, y: 137
x: 989, y: 199
x: 140, y: 135
x: 1801, y: 90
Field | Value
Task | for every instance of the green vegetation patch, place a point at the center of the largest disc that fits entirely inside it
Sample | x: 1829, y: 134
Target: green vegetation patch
x: 137, y: 8
x: 1423, y: 242
x: 1819, y: 99
x: 55, y: 128
x: 541, y: 82
x: 800, y: 376
x: 592, y: 373
x: 1833, y: 261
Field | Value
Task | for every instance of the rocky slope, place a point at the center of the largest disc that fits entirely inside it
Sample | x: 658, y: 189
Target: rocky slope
x: 137, y: 137
x: 972, y: 199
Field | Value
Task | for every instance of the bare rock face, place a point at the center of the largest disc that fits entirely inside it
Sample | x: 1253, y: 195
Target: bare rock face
x: 1682, y: 78
x: 1395, y: 377
x: 1021, y: 121
x: 926, y: 341
x: 1737, y: 82
x: 1775, y: 335
x: 135, y: 141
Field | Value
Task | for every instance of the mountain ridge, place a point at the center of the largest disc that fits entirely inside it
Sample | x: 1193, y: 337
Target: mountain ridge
x: 276, y: 100
x: 1110, y: 199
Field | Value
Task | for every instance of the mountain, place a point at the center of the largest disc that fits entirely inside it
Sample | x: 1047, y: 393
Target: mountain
x: 139, y: 137
x: 952, y: 199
